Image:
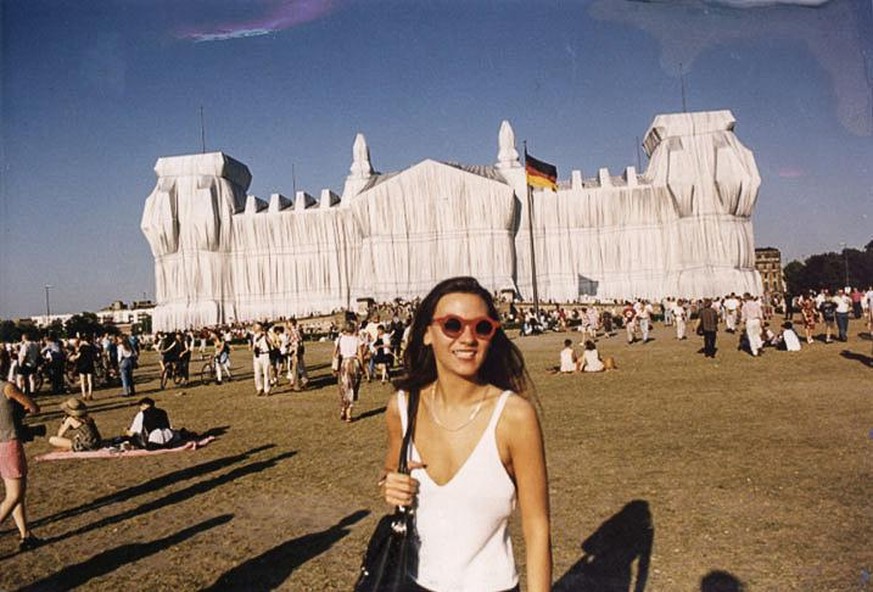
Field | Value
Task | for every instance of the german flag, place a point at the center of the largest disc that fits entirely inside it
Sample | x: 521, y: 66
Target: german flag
x: 539, y: 173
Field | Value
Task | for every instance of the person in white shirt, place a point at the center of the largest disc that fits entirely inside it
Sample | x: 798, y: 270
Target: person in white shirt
x: 680, y: 317
x: 752, y: 316
x: 644, y: 317
x: 569, y: 360
x: 731, y: 306
x: 844, y: 305
x: 789, y: 339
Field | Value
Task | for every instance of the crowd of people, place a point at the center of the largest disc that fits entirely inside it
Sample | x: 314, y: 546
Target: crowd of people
x: 755, y: 320
x: 74, y: 363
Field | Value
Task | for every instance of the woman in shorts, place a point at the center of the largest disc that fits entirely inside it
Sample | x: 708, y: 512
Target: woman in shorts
x: 85, y: 357
x: 13, y: 464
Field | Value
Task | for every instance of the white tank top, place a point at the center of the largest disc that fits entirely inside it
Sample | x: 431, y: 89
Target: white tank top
x: 462, y: 526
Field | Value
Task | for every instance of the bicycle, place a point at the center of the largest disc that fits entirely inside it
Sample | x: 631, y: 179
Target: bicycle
x: 172, y: 370
x: 209, y: 371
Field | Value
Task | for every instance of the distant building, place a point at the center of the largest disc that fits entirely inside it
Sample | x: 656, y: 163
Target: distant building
x: 118, y: 313
x: 768, y: 263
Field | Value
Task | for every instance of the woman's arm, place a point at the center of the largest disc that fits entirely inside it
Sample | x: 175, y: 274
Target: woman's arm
x: 399, y: 489
x: 521, y: 430
x: 65, y: 425
x: 13, y: 393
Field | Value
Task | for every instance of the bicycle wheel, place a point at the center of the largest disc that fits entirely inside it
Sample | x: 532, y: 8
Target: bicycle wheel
x: 207, y: 373
x: 38, y: 380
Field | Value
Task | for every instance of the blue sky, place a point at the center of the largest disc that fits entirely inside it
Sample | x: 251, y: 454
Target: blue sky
x: 93, y: 93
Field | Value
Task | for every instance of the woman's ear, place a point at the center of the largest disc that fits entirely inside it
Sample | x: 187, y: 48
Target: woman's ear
x: 426, y: 339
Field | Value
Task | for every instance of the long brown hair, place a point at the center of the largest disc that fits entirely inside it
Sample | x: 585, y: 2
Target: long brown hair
x: 504, y: 365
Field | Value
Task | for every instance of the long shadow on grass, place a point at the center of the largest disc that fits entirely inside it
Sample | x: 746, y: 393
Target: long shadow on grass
x: 151, y: 486
x: 181, y: 495
x: 607, y: 562
x: 108, y: 561
x: 371, y: 413
x: 850, y: 355
x: 270, y: 569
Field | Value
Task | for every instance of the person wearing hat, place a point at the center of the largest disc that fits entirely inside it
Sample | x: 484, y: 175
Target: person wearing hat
x: 78, y: 431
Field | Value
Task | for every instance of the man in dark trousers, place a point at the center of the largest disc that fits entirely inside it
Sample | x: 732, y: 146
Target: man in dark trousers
x: 707, y: 325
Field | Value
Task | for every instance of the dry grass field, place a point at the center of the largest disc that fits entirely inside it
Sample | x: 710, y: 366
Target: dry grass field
x: 661, y: 473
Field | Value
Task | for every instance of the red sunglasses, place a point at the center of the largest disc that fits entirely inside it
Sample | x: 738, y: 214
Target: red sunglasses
x: 453, y: 326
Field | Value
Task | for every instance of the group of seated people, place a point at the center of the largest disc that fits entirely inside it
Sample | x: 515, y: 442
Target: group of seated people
x: 150, y: 429
x: 589, y: 362
x: 785, y: 340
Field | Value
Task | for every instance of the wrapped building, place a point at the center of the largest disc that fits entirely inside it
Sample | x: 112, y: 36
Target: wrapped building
x: 682, y: 228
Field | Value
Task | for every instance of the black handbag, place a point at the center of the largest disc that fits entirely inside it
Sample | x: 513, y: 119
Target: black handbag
x: 391, y: 552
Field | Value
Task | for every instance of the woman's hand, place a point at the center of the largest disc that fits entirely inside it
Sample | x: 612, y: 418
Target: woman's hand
x: 400, y: 489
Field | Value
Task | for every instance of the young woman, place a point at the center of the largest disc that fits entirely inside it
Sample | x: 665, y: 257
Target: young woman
x: 84, y: 358
x: 348, y: 350
x: 477, y: 448
x: 591, y: 361
x: 808, y: 314
x: 13, y: 464
x: 222, y: 358
x: 126, y: 362
x: 78, y: 431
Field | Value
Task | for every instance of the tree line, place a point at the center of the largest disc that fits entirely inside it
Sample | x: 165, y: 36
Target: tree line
x: 86, y: 323
x: 850, y: 267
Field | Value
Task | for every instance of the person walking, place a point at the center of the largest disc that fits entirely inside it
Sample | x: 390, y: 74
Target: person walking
x: 260, y: 347
x: 85, y: 358
x: 753, y: 316
x: 126, y: 363
x: 13, y: 463
x: 707, y: 326
x: 222, y: 358
x: 843, y: 304
x: 680, y: 318
x: 350, y: 362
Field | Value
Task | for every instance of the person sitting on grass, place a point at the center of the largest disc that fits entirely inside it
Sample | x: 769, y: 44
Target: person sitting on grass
x: 569, y: 360
x: 78, y: 432
x: 788, y: 339
x: 591, y: 361
x: 151, y: 427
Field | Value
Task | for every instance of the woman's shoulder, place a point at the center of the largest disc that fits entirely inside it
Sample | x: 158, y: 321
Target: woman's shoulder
x: 518, y: 410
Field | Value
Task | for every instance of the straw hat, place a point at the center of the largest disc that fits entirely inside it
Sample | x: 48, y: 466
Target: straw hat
x: 74, y: 407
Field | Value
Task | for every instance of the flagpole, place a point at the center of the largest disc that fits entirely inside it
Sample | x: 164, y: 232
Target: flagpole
x: 533, y: 261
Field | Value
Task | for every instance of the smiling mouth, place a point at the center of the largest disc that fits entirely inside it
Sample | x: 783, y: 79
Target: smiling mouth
x: 464, y: 354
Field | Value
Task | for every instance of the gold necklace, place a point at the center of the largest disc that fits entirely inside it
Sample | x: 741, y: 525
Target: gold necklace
x: 432, y: 409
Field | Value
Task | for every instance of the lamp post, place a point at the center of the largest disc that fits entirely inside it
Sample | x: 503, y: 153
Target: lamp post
x: 48, y: 308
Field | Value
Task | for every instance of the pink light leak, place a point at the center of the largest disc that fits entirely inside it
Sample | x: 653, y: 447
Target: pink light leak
x: 278, y: 16
x: 791, y: 173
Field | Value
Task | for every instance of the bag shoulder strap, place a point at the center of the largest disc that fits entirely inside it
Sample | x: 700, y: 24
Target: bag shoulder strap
x: 411, y: 413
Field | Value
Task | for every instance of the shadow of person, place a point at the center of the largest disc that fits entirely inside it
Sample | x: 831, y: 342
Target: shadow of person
x: 720, y: 581
x: 850, y: 355
x: 371, y: 413
x: 73, y: 576
x: 609, y: 554
x: 270, y: 569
